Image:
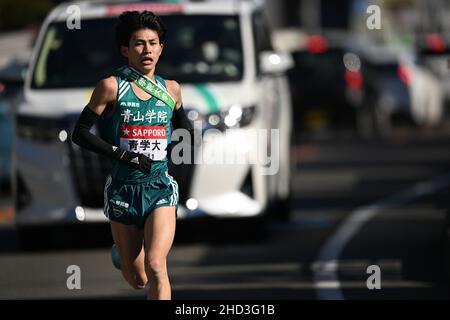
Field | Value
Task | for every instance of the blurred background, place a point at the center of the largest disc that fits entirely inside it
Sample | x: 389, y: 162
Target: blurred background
x: 369, y: 94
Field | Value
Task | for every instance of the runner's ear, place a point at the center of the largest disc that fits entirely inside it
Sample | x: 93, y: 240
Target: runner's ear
x: 124, y: 51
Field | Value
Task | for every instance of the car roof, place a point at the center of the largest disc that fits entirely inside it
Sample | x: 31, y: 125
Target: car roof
x: 110, y: 8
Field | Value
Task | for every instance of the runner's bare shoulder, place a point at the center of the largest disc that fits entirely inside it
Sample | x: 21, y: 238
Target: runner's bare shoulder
x: 105, y: 93
x: 174, y: 89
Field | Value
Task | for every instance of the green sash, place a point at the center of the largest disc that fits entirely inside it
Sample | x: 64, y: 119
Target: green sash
x: 147, y: 84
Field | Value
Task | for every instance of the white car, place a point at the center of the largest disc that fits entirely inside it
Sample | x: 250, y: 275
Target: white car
x: 232, y: 80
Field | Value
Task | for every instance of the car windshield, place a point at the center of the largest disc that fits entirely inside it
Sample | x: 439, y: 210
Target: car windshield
x: 331, y: 59
x: 71, y: 58
x: 326, y: 66
x: 383, y: 68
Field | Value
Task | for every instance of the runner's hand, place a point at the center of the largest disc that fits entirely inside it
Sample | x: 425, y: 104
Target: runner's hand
x: 135, y: 160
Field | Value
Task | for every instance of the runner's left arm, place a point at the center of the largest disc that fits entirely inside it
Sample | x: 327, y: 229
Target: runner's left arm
x: 104, y: 93
x: 179, y: 118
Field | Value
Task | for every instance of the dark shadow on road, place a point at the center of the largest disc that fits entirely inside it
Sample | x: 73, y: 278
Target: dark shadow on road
x: 53, y: 238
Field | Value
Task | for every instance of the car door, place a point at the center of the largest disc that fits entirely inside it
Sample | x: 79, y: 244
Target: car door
x: 275, y: 104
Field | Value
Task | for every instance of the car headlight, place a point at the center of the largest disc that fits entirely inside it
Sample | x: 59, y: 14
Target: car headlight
x: 247, y: 116
x: 235, y: 117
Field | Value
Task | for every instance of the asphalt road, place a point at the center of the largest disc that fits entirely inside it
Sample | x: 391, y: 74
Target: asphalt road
x: 357, y: 204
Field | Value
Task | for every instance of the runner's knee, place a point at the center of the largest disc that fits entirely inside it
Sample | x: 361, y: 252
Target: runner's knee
x: 155, y: 266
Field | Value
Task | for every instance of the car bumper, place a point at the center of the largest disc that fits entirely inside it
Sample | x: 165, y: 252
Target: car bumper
x: 64, y: 182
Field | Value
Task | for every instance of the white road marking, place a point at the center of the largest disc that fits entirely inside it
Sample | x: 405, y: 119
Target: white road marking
x: 325, y: 278
x: 305, y: 285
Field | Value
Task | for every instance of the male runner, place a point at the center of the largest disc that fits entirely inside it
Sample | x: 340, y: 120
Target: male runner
x: 140, y: 196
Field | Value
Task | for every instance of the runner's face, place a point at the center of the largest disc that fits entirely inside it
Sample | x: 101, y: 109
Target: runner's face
x: 143, y: 50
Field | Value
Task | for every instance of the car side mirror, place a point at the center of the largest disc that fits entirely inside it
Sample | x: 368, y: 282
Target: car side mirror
x: 275, y: 62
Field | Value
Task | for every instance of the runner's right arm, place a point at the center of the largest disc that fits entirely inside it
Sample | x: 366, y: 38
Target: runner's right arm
x: 105, y: 92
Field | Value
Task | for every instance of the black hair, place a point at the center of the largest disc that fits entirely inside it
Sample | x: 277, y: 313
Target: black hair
x: 131, y: 21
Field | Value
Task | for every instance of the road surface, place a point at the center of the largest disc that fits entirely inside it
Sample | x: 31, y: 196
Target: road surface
x: 356, y: 204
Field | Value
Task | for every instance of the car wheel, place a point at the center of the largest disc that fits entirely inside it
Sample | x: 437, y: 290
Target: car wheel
x: 280, y: 208
x: 22, y: 196
x: 365, y: 121
x: 445, y: 240
x: 384, y: 123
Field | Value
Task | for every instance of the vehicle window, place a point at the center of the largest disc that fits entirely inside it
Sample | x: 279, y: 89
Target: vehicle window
x: 201, y: 48
x: 326, y: 65
x: 193, y: 53
x: 77, y: 57
x: 383, y: 68
x: 261, y: 35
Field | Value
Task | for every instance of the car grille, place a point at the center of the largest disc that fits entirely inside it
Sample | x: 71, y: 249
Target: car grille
x: 40, y: 129
x: 89, y: 172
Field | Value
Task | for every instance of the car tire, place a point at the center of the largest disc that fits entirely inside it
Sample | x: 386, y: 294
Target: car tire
x: 22, y: 197
x: 384, y: 123
x: 365, y: 122
x: 281, y: 209
x: 445, y: 241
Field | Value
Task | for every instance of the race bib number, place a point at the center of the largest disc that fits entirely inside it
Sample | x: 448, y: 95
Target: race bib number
x: 149, y: 140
